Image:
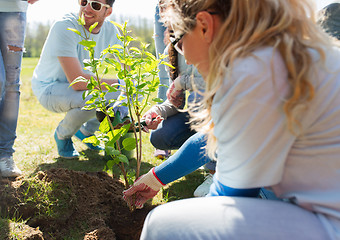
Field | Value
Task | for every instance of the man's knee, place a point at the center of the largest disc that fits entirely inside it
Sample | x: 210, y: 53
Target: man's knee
x: 13, y: 48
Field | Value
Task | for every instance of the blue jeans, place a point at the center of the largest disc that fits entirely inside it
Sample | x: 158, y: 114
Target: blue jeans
x: 12, y: 29
x: 159, y: 30
x: 59, y: 97
x: 172, y: 132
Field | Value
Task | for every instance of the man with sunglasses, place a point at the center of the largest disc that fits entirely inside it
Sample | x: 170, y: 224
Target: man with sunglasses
x: 61, y: 62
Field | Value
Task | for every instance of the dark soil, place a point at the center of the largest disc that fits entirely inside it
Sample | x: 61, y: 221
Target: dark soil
x: 87, y: 205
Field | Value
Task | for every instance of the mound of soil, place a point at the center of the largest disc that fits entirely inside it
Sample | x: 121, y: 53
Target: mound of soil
x: 85, y: 202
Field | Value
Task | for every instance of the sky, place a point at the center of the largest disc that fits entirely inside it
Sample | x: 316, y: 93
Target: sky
x: 49, y: 10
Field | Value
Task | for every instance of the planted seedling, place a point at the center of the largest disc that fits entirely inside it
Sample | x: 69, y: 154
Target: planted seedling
x: 137, y: 70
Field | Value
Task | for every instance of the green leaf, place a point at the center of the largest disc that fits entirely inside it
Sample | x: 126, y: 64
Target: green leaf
x: 81, y: 20
x: 110, y: 164
x: 111, y: 151
x: 140, y: 86
x: 106, y: 70
x: 104, y: 126
x: 88, y: 43
x: 121, y: 75
x: 130, y: 39
x: 88, y: 107
x: 162, y: 56
x: 74, y: 30
x: 157, y: 100
x: 117, y: 46
x: 117, y: 25
x: 78, y: 79
x: 150, y: 55
x: 129, y: 144
x: 135, y: 49
x: 125, y: 129
x: 114, y: 135
x: 168, y: 64
x: 93, y: 26
x: 110, y: 88
x: 122, y: 158
x: 92, y: 139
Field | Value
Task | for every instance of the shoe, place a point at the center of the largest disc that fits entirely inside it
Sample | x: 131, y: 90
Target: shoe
x: 81, y: 137
x: 65, y: 147
x: 8, y: 167
x: 161, y: 154
x: 203, y: 189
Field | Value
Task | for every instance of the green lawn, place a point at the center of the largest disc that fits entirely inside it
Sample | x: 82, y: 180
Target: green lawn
x: 36, y: 149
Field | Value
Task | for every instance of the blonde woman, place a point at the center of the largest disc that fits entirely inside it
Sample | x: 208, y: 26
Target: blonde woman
x: 272, y: 114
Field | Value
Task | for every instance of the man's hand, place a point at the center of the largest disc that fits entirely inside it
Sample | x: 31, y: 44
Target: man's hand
x: 144, y: 188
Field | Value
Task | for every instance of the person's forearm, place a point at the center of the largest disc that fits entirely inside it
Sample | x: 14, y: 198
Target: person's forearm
x: 187, y: 159
x: 167, y: 109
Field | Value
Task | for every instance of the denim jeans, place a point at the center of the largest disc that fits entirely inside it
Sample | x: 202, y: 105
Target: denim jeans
x: 12, y: 34
x: 59, y: 97
x: 159, y: 30
x: 172, y: 132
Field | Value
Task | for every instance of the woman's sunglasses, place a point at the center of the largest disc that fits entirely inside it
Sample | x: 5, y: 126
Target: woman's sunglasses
x: 95, y: 5
x: 176, y: 42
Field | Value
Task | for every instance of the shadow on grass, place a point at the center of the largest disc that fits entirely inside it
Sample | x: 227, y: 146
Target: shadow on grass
x: 184, y: 187
x: 88, y: 161
x: 92, y: 161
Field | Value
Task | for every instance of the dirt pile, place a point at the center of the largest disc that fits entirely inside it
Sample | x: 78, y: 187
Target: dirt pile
x: 89, y: 205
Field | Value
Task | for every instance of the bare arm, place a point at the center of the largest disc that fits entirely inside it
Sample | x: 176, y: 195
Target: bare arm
x: 73, y: 69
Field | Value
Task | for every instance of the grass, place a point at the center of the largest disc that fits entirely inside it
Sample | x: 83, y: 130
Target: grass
x: 36, y: 151
x: 35, y: 146
x: 14, y: 228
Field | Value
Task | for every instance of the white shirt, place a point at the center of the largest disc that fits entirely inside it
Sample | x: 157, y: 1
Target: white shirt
x: 255, y: 147
x: 62, y: 42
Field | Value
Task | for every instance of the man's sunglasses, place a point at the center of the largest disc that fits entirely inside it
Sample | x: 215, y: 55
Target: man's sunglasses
x: 95, y: 5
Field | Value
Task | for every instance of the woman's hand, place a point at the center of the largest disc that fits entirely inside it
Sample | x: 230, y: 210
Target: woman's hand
x: 175, y: 94
x: 152, y: 119
x: 144, y: 188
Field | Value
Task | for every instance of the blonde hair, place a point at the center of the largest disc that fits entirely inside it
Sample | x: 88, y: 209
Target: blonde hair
x: 287, y: 25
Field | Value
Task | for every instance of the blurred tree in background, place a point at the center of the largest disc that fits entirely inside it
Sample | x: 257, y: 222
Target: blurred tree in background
x: 36, y: 33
